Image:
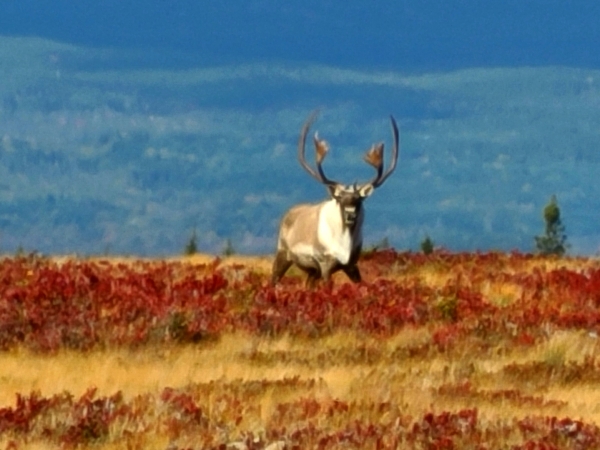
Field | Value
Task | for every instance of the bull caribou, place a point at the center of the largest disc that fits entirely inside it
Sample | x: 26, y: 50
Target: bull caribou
x: 326, y: 237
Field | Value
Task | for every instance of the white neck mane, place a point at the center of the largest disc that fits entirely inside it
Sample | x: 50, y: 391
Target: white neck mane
x: 338, y: 240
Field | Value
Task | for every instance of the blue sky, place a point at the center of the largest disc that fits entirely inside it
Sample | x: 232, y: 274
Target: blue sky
x: 403, y: 35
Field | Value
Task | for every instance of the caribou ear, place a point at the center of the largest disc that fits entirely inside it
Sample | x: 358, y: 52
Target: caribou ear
x: 366, y: 190
x: 335, y: 189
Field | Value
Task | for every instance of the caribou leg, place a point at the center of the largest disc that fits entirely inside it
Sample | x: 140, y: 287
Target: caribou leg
x: 280, y: 266
x: 329, y: 265
x: 353, y: 273
x: 312, y: 278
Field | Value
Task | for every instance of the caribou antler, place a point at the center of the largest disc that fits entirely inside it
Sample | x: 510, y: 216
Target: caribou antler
x: 374, y: 157
x: 321, y: 149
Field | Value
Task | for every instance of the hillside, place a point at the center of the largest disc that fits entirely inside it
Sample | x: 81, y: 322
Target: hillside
x: 120, y: 152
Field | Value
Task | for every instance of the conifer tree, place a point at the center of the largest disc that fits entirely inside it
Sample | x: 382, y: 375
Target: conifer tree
x: 228, y: 250
x: 192, y: 246
x: 554, y: 240
x: 427, y: 245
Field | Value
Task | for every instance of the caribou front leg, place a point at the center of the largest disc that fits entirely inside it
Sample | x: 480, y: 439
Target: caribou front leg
x: 353, y: 273
x: 351, y: 269
x: 328, y: 265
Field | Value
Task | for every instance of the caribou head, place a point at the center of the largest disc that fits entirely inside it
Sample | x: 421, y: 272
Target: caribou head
x: 326, y: 237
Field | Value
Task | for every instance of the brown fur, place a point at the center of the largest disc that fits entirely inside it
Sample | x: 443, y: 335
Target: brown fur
x: 298, y: 227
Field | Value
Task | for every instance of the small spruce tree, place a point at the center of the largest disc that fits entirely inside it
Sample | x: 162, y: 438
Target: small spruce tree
x: 554, y: 240
x: 427, y: 245
x: 228, y: 250
x: 191, y: 248
x: 383, y: 244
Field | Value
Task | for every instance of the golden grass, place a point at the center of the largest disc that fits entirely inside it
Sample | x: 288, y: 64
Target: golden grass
x: 230, y: 359
x: 410, y: 383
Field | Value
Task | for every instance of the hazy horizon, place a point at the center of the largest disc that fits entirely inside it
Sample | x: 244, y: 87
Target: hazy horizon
x: 428, y: 35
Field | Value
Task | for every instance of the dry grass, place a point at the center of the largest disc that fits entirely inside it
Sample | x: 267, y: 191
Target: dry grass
x: 353, y: 368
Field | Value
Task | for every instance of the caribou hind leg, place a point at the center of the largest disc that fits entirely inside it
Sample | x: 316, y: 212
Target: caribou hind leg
x: 313, y: 276
x: 280, y: 266
x: 326, y: 268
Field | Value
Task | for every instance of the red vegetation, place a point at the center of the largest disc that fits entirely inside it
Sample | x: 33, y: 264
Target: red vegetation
x: 46, y: 306
x: 84, y: 305
x: 304, y: 423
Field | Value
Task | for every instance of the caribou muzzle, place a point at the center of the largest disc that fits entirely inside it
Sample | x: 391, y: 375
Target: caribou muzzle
x: 350, y: 213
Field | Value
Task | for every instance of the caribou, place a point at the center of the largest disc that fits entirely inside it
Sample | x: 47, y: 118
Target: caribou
x: 326, y: 237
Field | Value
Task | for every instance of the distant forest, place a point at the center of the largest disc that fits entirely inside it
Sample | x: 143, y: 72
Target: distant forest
x: 132, y: 160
